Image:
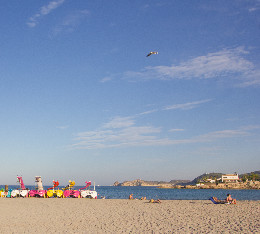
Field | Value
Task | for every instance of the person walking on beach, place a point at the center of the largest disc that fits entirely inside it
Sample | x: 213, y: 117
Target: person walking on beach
x: 131, y: 196
x: 230, y: 199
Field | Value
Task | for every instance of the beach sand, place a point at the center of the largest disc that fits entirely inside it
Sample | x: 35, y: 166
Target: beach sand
x: 31, y: 215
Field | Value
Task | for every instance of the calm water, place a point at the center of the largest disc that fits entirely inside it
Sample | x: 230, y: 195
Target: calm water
x: 175, y: 194
x: 111, y: 192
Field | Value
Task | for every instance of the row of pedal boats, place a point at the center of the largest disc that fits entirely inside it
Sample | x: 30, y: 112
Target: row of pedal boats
x: 53, y: 191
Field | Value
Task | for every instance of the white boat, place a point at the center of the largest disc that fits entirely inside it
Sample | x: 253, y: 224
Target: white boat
x: 19, y: 193
x: 86, y: 193
x: 22, y: 191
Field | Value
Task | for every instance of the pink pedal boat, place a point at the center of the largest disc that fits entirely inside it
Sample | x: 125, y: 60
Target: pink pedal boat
x: 69, y: 192
x: 39, y: 191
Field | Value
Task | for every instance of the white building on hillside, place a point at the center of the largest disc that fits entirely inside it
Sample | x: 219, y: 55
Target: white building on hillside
x: 230, y: 178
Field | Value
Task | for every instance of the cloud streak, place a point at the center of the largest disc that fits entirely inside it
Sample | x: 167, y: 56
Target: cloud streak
x: 224, y: 63
x: 70, y: 22
x: 186, y: 106
x: 44, y: 10
x: 124, y: 132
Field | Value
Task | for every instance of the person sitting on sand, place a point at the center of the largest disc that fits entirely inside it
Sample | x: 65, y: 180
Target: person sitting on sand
x: 131, y: 196
x: 155, y: 201
x: 230, y: 199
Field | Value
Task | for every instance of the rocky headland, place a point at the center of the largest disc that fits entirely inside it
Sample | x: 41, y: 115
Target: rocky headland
x: 204, y: 181
x: 139, y: 182
x: 183, y: 184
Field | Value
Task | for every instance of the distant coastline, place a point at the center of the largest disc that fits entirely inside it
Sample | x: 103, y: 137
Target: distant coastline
x: 206, y: 181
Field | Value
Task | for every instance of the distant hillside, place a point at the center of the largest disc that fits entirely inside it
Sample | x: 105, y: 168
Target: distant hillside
x: 204, y: 176
x: 252, y: 175
x: 214, y: 175
x: 254, y: 172
x: 139, y: 182
x: 255, y: 175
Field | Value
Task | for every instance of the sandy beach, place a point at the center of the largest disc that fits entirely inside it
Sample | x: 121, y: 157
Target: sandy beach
x: 31, y: 215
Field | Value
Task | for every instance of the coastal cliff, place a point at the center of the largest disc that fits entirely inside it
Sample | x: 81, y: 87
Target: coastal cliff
x: 139, y: 182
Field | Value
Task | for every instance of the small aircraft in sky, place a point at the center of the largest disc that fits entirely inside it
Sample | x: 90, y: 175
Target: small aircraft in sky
x: 152, y: 52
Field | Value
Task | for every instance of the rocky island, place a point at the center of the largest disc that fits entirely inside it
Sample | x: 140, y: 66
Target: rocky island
x: 139, y: 182
x: 205, y: 181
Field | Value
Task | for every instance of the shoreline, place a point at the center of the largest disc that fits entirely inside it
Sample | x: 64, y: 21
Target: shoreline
x: 124, y: 216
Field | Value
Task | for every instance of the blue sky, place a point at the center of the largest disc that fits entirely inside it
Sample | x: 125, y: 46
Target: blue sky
x: 81, y: 101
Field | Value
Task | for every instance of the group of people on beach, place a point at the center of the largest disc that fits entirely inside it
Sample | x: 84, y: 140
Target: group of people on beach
x: 144, y: 198
x: 228, y: 200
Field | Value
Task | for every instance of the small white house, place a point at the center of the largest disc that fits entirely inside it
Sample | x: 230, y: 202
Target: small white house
x: 230, y: 178
x: 211, y: 181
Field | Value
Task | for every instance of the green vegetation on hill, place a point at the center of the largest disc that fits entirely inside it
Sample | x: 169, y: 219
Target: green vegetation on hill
x: 202, y: 178
x: 206, y: 176
x: 255, y: 175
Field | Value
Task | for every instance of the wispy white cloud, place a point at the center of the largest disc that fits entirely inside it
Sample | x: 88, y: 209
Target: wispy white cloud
x: 44, y: 10
x: 176, y: 130
x: 255, y: 6
x: 124, y: 132
x: 114, y: 135
x: 147, y: 112
x: 220, y: 135
x: 70, y: 22
x: 120, y: 122
x: 224, y: 63
x: 251, y: 79
x: 186, y: 106
x: 105, y: 79
x: 62, y: 127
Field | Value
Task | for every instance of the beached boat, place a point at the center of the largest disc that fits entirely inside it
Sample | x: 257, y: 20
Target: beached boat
x: 69, y: 192
x: 39, y: 191
x: 5, y: 192
x: 22, y: 191
x: 53, y: 192
x: 86, y: 193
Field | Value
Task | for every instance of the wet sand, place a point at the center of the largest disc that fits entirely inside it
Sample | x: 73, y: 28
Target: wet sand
x: 32, y: 215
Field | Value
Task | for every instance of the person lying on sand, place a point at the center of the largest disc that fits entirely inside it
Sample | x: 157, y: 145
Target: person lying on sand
x: 143, y: 198
x: 219, y: 201
x: 230, y: 199
x: 155, y: 201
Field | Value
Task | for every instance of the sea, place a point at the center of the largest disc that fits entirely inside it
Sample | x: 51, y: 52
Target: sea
x: 123, y: 192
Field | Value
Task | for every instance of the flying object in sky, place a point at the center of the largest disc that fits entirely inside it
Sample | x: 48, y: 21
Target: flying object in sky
x: 152, y: 52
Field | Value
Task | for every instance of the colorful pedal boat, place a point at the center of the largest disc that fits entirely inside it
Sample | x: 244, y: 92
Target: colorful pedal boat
x: 37, y: 193
x: 71, y: 193
x: 5, y: 194
x: 20, y: 193
x: 55, y: 193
